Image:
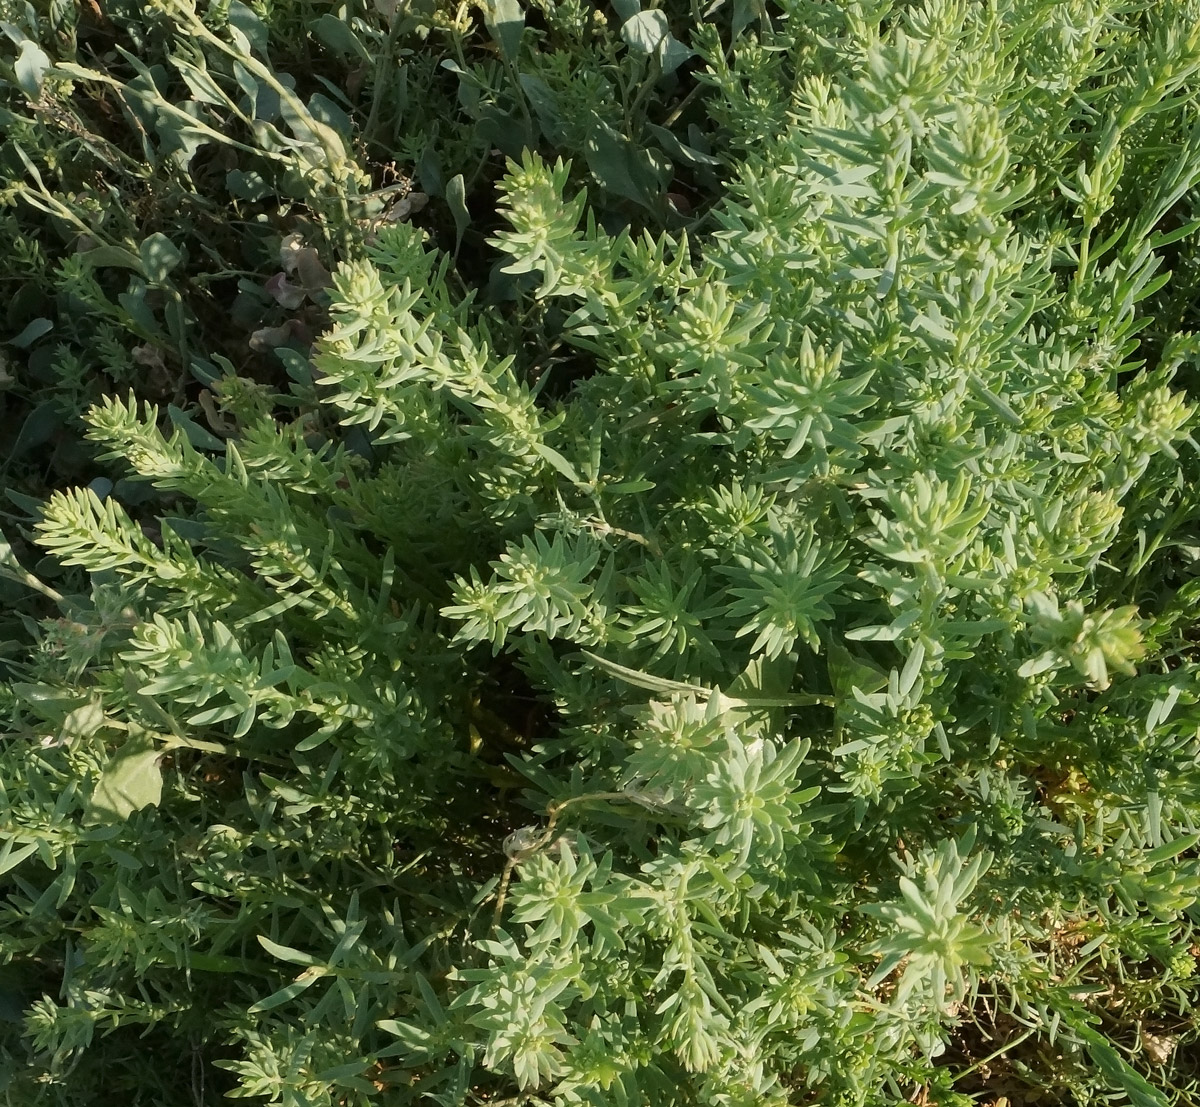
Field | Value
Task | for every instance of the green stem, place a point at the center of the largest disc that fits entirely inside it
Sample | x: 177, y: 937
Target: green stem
x: 23, y: 576
x: 993, y: 1056
x: 381, y: 83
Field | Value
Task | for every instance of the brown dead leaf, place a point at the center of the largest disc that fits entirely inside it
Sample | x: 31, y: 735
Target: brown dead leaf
x: 301, y: 260
x: 284, y: 293
x: 266, y: 339
x: 1158, y: 1047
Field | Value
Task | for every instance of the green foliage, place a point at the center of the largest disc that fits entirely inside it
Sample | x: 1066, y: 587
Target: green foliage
x: 179, y: 179
x: 744, y: 663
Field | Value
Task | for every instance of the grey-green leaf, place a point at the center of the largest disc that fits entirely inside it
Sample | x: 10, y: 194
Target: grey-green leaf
x: 619, y: 166
x: 507, y: 25
x: 130, y: 781
x: 1118, y: 1073
x: 30, y: 68
x: 101, y: 256
x: 644, y: 31
x: 159, y: 256
x: 31, y: 333
x: 246, y: 22
x: 672, y: 54
x: 456, y: 197
x: 337, y: 35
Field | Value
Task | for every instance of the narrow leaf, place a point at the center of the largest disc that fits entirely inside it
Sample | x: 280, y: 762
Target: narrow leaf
x: 456, y: 197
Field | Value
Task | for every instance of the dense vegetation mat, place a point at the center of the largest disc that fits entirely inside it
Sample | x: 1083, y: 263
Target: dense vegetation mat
x: 605, y: 556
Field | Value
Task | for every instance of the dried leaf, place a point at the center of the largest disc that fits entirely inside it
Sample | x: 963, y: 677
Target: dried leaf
x: 268, y: 338
x: 313, y: 275
x: 284, y: 293
x: 1159, y: 1047
x: 149, y: 357
x: 303, y: 261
